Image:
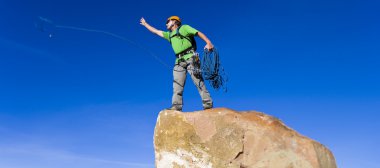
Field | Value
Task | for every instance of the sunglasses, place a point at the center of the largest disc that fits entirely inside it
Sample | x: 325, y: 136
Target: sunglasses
x: 169, y: 21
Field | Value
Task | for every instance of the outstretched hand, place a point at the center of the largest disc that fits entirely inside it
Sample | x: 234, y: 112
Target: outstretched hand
x: 142, y: 21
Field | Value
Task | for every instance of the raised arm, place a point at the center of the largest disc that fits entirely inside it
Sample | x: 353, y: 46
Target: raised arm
x: 209, y: 45
x: 150, y: 28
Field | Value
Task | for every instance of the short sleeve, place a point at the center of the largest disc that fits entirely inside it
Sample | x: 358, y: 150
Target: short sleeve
x: 189, y: 30
x: 166, y: 35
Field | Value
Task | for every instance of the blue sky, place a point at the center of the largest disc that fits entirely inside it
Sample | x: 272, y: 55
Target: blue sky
x: 85, y: 99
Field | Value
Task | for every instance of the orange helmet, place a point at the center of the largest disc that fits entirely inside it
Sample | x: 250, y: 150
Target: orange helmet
x: 174, y: 18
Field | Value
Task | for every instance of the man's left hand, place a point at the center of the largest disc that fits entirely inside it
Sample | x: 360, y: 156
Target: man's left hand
x: 209, y: 46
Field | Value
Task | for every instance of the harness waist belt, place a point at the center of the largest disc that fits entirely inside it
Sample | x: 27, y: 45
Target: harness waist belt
x: 187, y: 51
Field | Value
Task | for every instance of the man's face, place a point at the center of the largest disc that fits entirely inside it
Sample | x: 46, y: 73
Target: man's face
x: 169, y: 24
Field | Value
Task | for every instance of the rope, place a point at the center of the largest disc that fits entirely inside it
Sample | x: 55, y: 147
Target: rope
x: 43, y: 23
x: 212, y: 69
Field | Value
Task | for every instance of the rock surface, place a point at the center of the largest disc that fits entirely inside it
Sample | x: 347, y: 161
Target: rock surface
x: 223, y: 138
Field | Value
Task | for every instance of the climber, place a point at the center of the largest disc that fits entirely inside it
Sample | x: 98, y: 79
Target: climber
x: 182, y: 40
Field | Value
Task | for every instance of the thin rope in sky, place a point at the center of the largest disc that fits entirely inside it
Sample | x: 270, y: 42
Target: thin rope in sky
x: 44, y: 23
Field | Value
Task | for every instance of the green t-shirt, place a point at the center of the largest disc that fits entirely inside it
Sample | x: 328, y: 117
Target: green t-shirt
x: 179, y: 44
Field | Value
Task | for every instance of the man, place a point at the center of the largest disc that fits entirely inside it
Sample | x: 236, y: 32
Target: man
x: 181, y: 38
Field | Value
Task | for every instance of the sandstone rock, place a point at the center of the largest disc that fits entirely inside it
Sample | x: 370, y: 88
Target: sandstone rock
x: 223, y: 138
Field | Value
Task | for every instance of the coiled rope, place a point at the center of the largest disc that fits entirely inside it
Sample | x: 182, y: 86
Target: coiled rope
x: 212, y: 69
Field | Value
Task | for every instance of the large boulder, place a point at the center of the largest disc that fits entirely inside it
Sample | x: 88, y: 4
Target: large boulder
x: 223, y: 138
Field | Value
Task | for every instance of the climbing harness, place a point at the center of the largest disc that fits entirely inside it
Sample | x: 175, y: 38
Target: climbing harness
x: 197, y: 66
x: 185, y: 52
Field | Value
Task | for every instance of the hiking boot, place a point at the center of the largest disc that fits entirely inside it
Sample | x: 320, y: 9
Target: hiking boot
x: 208, y: 107
x: 174, y: 108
